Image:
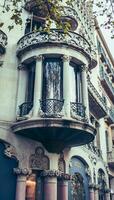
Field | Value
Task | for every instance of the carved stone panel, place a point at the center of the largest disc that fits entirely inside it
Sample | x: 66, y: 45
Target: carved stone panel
x: 61, y: 163
x: 39, y: 161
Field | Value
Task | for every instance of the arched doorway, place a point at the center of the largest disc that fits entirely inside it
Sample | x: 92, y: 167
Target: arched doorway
x: 78, y: 186
x: 102, y: 184
x: 7, y: 177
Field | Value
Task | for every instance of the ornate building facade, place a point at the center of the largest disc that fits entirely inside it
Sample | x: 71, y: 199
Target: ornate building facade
x: 56, y: 119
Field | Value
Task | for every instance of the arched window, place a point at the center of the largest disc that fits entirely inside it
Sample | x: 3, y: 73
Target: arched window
x: 78, y: 191
x: 78, y: 186
x: 102, y: 184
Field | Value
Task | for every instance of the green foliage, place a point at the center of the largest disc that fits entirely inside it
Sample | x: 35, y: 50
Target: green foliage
x: 52, y: 10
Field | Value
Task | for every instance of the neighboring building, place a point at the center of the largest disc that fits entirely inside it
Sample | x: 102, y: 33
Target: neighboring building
x: 56, y: 116
x: 106, y: 78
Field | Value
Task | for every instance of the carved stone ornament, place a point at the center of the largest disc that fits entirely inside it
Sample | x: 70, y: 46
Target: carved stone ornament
x: 10, y: 151
x: 55, y: 173
x: 61, y: 163
x: 22, y: 172
x: 38, y: 160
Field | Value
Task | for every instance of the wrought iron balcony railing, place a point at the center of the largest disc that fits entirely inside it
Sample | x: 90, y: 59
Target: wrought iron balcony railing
x: 35, y: 39
x: 77, y: 110
x: 104, y: 76
x: 3, y: 42
x: 96, y: 94
x: 25, y: 108
x: 51, y: 108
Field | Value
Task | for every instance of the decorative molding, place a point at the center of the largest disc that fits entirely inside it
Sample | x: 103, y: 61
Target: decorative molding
x: 55, y: 173
x: 66, y: 58
x: 22, y: 172
x: 61, y: 163
x: 10, y: 151
x: 39, y: 160
x: 34, y: 39
x: 38, y: 58
x: 21, y: 66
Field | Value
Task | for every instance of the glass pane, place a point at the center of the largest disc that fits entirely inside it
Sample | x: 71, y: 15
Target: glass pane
x: 52, y: 79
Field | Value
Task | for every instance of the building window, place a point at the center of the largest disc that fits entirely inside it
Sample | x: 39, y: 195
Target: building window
x: 102, y: 184
x: 78, y: 192
x: 30, y: 82
x: 52, y: 79
x: 107, y: 141
x: 52, y: 89
x: 76, y: 82
x: 34, y: 24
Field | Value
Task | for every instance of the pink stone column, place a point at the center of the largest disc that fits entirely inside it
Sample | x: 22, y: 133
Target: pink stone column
x: 50, y: 188
x: 107, y: 196
x: 62, y: 190
x: 91, y: 192
x: 96, y: 193
x: 21, y: 183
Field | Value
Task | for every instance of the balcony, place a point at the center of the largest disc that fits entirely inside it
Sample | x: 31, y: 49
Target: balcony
x: 52, y: 127
x: 111, y: 158
x: 67, y: 13
x: 3, y: 42
x: 107, y: 84
x: 96, y: 102
x: 110, y: 116
x: 55, y: 38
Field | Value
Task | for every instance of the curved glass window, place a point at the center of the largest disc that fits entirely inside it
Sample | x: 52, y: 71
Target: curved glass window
x: 52, y: 79
x: 76, y: 83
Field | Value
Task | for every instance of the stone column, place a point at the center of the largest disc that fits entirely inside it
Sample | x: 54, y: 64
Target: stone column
x: 91, y: 192
x: 21, y: 183
x: 50, y: 184
x: 66, y: 86
x: 62, y: 187
x: 85, y: 91
x: 107, y: 194
x: 37, y: 86
x: 96, y: 192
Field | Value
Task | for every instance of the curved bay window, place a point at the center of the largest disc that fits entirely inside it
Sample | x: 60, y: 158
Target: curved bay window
x: 102, y: 184
x: 77, y: 107
x: 52, y: 90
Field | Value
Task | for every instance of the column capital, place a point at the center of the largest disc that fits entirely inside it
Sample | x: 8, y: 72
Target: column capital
x: 66, y: 58
x: 84, y: 68
x: 38, y: 58
x: 22, y: 171
x: 21, y: 66
x: 96, y: 187
x: 91, y: 185
x: 55, y: 173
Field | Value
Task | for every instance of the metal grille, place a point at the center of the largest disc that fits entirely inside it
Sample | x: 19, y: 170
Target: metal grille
x: 25, y: 108
x: 51, y: 107
x: 78, y: 109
